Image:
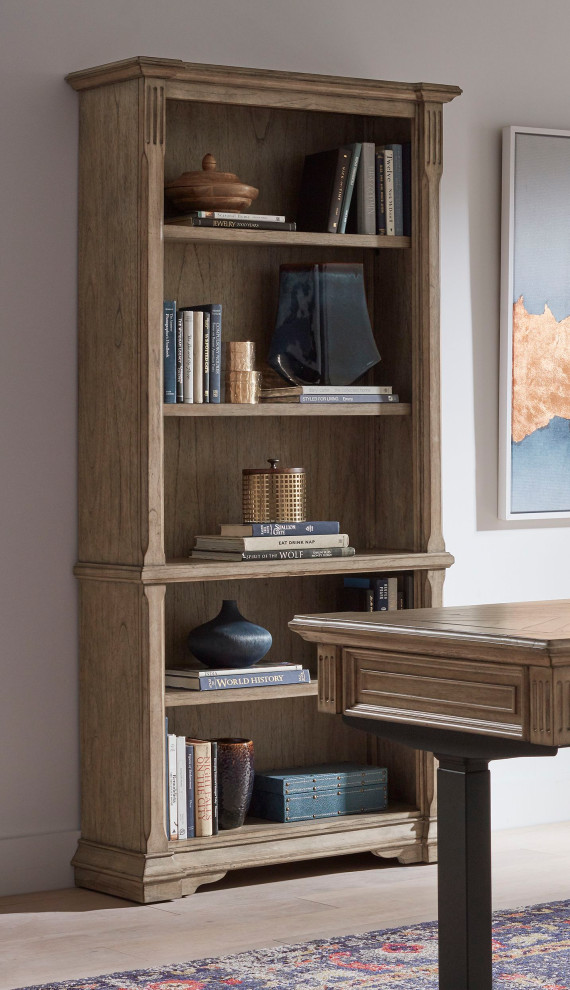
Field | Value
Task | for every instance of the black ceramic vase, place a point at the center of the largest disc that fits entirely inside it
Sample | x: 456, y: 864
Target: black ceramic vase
x: 235, y: 781
x: 229, y: 640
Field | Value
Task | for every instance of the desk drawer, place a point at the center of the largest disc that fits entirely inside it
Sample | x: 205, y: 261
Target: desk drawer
x: 471, y: 697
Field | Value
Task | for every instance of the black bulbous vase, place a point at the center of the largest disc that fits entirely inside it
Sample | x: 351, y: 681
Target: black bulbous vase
x: 229, y: 640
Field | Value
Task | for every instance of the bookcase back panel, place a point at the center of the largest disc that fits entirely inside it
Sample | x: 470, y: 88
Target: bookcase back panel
x: 353, y: 468
x: 245, y: 280
x: 285, y: 732
x: 265, y: 147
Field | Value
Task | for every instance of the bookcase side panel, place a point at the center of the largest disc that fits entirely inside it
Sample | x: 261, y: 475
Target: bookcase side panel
x: 115, y: 445
x: 427, y: 170
x: 122, y: 717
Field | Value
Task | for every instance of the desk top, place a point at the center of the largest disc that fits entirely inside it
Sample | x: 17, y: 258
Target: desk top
x: 539, y: 631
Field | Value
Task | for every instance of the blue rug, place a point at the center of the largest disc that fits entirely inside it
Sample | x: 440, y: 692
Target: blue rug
x: 531, y: 951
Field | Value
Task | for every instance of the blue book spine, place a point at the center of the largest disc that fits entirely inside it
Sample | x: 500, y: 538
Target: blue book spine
x: 380, y: 588
x: 380, y: 194
x: 190, y: 823
x: 206, y: 371
x: 349, y: 188
x: 357, y: 582
x: 321, y: 528
x: 169, y: 350
x: 215, y: 808
x: 398, y: 189
x: 180, y: 356
x: 225, y: 682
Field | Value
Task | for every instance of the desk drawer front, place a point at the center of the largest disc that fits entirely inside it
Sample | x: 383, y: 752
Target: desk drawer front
x: 472, y: 697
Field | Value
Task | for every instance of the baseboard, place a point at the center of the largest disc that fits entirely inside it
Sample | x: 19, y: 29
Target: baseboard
x: 37, y: 862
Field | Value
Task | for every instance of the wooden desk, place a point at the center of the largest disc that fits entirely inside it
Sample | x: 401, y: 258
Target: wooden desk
x: 471, y: 684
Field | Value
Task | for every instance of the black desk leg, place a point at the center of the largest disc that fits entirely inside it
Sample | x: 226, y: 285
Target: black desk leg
x: 464, y: 873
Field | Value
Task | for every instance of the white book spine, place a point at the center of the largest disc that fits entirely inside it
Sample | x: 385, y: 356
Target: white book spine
x: 198, y: 357
x: 270, y: 542
x: 172, y: 790
x: 188, y: 361
x: 258, y: 668
x: 181, y: 786
x: 389, y: 191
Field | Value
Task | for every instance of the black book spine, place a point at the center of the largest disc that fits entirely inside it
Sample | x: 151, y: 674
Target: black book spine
x: 179, y: 356
x: 241, y: 224
x: 340, y: 180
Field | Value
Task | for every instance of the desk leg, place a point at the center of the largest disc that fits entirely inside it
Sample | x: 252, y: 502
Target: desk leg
x: 464, y: 873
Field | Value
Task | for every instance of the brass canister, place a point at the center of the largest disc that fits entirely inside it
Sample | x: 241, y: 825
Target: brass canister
x: 274, y: 494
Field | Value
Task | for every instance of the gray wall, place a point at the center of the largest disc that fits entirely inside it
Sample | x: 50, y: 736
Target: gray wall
x: 512, y: 66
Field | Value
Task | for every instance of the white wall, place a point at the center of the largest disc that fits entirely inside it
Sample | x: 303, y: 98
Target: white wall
x: 512, y: 65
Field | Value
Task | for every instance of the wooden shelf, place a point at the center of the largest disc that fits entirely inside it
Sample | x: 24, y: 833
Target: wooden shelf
x: 256, y: 829
x: 208, y: 410
x: 178, y: 697
x: 185, y: 570
x: 290, y: 238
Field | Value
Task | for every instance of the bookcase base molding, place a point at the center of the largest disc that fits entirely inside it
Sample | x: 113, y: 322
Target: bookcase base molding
x: 183, y: 867
x: 153, y: 476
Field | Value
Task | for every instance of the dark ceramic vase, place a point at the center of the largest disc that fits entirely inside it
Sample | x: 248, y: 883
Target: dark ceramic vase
x: 235, y: 781
x: 229, y: 640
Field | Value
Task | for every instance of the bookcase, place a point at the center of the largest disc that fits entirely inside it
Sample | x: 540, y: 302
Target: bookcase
x: 152, y: 476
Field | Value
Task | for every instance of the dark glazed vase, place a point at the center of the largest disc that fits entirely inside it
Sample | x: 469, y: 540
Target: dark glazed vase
x: 235, y: 781
x: 229, y: 640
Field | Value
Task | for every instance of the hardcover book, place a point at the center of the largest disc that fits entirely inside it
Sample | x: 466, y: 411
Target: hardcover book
x: 366, y: 190
x: 188, y: 356
x: 279, y: 529
x: 233, y: 224
x: 190, y: 826
x: 308, y: 553
x: 191, y: 673
x: 396, y: 150
x: 322, y: 187
x: 181, y: 786
x: 169, y: 350
x: 202, y: 786
x: 349, y: 188
x: 294, y: 390
x: 172, y: 788
x: 279, y: 542
x: 232, y: 681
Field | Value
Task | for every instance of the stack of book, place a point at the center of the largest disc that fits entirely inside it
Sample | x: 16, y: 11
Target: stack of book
x: 233, y: 221
x: 322, y: 791
x: 329, y: 394
x: 380, y: 593
x: 191, y: 787
x: 192, y: 345
x: 274, y: 541
x: 224, y: 679
x: 359, y: 188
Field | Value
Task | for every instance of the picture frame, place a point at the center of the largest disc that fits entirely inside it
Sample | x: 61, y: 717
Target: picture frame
x: 534, y: 399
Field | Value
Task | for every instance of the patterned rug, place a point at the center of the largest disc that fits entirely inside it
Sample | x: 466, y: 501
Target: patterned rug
x: 531, y: 949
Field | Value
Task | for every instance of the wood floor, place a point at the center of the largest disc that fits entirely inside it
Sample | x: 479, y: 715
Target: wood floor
x: 58, y: 935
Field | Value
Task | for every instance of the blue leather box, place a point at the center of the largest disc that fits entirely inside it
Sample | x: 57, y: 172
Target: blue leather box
x: 323, y: 791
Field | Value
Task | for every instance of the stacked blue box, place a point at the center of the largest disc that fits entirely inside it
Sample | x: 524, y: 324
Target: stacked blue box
x: 322, y: 791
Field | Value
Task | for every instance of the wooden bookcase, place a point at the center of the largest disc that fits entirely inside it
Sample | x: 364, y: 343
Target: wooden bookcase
x: 153, y: 476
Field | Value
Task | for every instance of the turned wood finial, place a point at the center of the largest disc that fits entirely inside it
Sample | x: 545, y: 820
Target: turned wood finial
x: 209, y: 163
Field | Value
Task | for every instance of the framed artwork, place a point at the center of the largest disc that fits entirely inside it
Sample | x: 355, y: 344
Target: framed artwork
x: 534, y: 402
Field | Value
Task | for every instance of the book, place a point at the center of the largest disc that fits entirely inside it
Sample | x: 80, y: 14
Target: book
x: 311, y: 553
x: 188, y: 357
x: 192, y: 673
x: 169, y: 350
x: 206, y: 357
x: 355, y: 398
x: 215, y: 215
x: 385, y: 593
x: 231, y: 680
x: 202, y: 786
x: 247, y: 224
x: 322, y: 187
x: 380, y: 194
x: 214, y: 347
x: 218, y: 542
x: 388, y: 156
x: 396, y: 150
x: 278, y: 529
x: 179, y: 356
x: 181, y: 786
x: 198, y: 357
x: 190, y: 826
x: 366, y: 190
x: 215, y: 805
x: 287, y: 390
x: 349, y: 188
x: 172, y: 792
